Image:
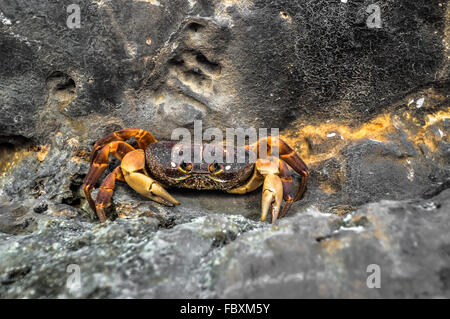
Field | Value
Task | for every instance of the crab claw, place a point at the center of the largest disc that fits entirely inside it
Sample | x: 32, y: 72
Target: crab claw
x: 157, y: 190
x: 149, y: 188
x: 132, y: 164
x: 272, y: 196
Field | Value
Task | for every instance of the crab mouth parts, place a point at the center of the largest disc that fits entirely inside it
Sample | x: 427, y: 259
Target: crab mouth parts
x: 182, y: 178
x: 218, y: 180
x: 199, y: 177
x: 201, y: 181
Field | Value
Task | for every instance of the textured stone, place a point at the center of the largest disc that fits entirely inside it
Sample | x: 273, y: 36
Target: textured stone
x: 367, y: 109
x: 248, y: 63
x: 307, y: 255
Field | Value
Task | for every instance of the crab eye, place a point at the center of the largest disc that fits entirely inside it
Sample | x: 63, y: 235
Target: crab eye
x: 215, y: 168
x: 185, y: 167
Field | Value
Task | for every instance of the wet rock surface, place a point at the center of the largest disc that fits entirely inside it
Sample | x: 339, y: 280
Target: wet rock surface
x: 205, y: 254
x: 367, y: 109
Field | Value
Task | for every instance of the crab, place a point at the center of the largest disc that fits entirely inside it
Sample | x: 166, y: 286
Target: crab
x: 149, y: 169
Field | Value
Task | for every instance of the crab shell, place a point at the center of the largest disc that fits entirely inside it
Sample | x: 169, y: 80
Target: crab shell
x: 233, y: 172
x: 193, y: 173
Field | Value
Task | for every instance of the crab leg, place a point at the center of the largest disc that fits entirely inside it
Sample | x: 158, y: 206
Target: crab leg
x: 253, y: 183
x: 271, y: 197
x: 143, y: 138
x: 99, y: 165
x: 105, y: 193
x: 287, y: 154
x: 293, y: 160
x: 288, y: 185
x: 133, y: 168
x: 272, y: 188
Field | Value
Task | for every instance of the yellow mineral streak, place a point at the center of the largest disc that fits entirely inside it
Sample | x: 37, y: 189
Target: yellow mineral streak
x: 42, y: 152
x: 439, y: 116
x: 319, y: 142
x: 424, y: 135
x: 341, y: 133
x: 10, y: 157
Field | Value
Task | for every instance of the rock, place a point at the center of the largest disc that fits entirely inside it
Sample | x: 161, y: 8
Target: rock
x: 252, y: 64
x: 150, y: 261
x: 320, y: 256
x: 366, y: 108
x: 308, y: 255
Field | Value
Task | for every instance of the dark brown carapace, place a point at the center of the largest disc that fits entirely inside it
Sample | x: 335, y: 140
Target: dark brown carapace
x: 154, y: 164
x: 207, y: 174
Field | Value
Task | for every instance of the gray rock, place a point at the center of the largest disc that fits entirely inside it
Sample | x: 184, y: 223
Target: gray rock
x: 256, y: 63
x: 307, y: 255
x: 319, y: 256
x: 366, y: 108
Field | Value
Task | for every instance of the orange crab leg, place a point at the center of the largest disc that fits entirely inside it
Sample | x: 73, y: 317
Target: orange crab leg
x: 253, y: 183
x: 286, y: 179
x: 99, y: 165
x: 143, y: 138
x: 272, y: 188
x: 106, y: 191
x: 288, y: 187
x: 290, y: 157
x: 287, y: 154
x: 133, y: 164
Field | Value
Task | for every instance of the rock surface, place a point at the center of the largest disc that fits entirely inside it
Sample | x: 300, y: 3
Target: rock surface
x: 366, y: 108
x: 160, y: 65
x: 200, y: 254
